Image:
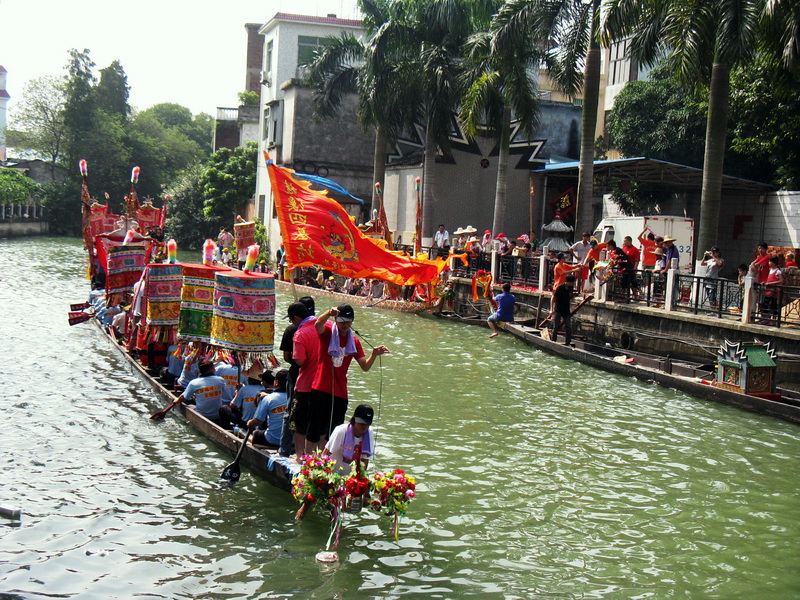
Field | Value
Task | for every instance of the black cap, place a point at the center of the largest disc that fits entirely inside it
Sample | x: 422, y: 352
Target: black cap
x: 363, y: 414
x: 308, y: 301
x: 296, y: 309
x: 346, y: 313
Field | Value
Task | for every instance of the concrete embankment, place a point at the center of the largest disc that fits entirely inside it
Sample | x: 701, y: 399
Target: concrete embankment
x: 23, y: 228
x: 679, y: 335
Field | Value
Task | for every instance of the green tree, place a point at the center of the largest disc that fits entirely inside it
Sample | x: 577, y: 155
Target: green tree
x: 432, y: 34
x: 347, y: 65
x: 37, y: 120
x: 702, y: 40
x: 570, y: 28
x: 112, y: 91
x: 16, y: 188
x: 186, y: 220
x: 499, y: 83
x: 248, y: 98
x: 198, y: 128
x: 765, y: 125
x: 229, y: 181
x: 658, y: 118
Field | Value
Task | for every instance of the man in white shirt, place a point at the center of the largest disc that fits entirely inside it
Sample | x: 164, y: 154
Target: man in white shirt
x: 441, y: 239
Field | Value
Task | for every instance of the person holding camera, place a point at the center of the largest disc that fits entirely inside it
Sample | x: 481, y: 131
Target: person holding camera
x: 712, y: 261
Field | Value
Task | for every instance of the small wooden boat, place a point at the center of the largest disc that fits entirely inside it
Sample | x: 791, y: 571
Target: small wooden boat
x: 398, y: 305
x: 267, y: 464
x: 692, y: 378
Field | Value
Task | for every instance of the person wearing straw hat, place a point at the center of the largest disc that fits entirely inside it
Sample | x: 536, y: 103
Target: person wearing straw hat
x: 458, y: 240
x: 670, y: 251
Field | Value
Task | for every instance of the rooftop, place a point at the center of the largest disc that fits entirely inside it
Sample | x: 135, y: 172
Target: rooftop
x: 651, y: 170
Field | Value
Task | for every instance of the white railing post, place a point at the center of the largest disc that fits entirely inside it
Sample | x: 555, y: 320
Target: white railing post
x: 669, y: 293
x: 600, y: 288
x: 748, y: 293
x: 543, y: 268
x: 493, y: 267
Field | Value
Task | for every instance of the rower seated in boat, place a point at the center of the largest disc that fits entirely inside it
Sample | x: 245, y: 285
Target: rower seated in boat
x: 205, y: 392
x: 268, y: 418
x: 243, y: 406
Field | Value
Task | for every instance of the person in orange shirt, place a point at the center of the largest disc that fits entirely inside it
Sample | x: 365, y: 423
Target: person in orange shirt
x: 649, y: 245
x: 562, y: 269
x: 591, y: 258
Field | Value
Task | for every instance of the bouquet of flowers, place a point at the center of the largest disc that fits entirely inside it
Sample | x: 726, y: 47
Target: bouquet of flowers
x: 391, y: 494
x: 317, y: 481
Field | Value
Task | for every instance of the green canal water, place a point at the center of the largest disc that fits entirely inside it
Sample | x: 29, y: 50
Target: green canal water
x: 538, y: 478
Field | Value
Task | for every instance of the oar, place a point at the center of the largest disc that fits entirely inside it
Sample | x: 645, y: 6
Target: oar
x: 80, y: 306
x: 230, y: 474
x: 161, y: 414
x: 574, y: 310
x: 78, y: 317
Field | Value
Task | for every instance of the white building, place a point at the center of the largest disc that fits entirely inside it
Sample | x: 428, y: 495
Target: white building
x: 3, y: 110
x: 338, y: 148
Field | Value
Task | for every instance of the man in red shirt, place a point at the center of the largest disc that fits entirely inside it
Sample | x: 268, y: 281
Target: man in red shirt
x: 632, y: 252
x: 338, y: 347
x: 306, y: 355
x: 760, y: 266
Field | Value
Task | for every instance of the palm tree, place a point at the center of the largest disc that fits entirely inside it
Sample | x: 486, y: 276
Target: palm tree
x: 782, y: 34
x: 429, y: 34
x: 570, y: 29
x: 701, y: 40
x: 347, y: 65
x: 498, y: 84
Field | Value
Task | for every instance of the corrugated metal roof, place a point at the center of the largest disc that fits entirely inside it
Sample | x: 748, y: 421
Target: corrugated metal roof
x: 651, y: 170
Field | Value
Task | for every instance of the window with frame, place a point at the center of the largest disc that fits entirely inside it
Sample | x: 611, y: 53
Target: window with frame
x: 619, y: 63
x: 306, y: 46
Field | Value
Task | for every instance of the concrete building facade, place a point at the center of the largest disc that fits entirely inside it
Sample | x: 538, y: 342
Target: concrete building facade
x: 338, y: 148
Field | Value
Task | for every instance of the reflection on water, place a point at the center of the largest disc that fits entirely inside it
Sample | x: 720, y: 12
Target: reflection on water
x: 539, y: 478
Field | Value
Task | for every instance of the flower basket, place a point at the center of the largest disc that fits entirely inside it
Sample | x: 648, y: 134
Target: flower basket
x: 317, y: 484
x: 391, y: 493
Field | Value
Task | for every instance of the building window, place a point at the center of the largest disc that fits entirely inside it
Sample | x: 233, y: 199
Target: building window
x: 267, y: 124
x: 619, y: 63
x: 268, y: 58
x: 306, y: 46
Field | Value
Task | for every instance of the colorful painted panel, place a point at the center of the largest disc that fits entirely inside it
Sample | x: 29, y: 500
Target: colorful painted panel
x: 164, y: 283
x: 197, y: 302
x: 124, y: 267
x: 244, y: 312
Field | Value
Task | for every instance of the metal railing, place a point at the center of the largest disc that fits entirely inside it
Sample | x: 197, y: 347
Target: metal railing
x: 709, y: 295
x: 776, y: 305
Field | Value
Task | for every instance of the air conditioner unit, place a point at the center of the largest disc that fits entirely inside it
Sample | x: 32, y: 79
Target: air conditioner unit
x: 265, y: 78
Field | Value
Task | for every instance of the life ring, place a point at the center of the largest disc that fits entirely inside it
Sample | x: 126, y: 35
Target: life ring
x: 323, y: 171
x: 627, y: 340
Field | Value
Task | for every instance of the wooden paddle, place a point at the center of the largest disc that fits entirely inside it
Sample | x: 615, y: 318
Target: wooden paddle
x: 231, y: 473
x: 78, y: 317
x: 161, y: 414
x: 576, y: 309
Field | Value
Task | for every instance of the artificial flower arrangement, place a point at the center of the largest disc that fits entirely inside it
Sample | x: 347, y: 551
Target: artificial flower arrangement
x: 391, y: 494
x: 317, y: 483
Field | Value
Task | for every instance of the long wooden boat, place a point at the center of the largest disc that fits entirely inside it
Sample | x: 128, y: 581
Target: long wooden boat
x: 268, y: 464
x: 692, y: 378
x: 398, y: 305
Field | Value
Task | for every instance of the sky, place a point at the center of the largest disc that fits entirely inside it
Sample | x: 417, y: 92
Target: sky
x: 188, y: 52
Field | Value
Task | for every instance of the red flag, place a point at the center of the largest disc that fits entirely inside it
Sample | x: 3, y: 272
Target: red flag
x: 316, y: 230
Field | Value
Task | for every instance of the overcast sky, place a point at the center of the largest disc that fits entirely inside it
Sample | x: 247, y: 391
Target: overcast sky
x: 188, y: 52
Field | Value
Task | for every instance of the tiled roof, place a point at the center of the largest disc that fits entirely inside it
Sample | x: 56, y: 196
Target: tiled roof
x: 323, y: 20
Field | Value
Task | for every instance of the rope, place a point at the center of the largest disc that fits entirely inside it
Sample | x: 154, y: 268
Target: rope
x: 380, y: 391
